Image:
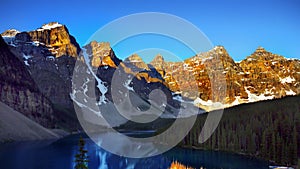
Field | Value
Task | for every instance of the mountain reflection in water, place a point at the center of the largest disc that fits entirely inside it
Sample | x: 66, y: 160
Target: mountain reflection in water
x: 60, y: 155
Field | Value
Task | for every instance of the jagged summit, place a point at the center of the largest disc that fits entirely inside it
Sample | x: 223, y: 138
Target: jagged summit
x: 10, y: 33
x: 261, y: 54
x: 49, y: 56
x: 158, y: 58
x: 219, y: 48
x: 101, y: 54
x: 104, y: 46
x: 137, y: 61
x: 53, y: 37
x: 270, y: 74
x: 214, y: 53
x: 134, y: 58
x: 158, y: 63
x: 51, y: 25
x: 260, y: 49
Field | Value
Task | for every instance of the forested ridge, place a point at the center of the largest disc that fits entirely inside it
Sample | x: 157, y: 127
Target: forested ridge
x: 268, y: 130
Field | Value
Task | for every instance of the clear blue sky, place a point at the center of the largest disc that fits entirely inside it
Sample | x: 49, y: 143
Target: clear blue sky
x: 240, y: 26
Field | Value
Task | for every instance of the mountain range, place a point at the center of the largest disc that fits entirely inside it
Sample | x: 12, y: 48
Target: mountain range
x: 38, y: 67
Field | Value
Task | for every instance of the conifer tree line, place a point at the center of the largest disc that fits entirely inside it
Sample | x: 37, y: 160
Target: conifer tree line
x: 268, y: 130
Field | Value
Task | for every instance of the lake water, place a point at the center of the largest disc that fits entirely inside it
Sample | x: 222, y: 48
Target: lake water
x: 60, y: 155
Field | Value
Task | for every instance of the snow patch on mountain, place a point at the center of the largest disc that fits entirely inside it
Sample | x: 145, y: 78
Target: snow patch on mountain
x: 37, y: 43
x: 178, y: 98
x: 208, y: 105
x: 49, y: 26
x: 204, y: 59
x: 288, y: 79
x: 100, y: 84
x: 255, y: 98
x: 127, y: 85
x: 26, y: 58
x: 290, y: 92
x: 10, y: 33
x: 9, y: 36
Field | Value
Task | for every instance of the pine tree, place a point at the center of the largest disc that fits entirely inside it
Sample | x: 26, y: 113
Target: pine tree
x: 81, y: 158
x: 273, y: 148
x: 252, y: 144
x: 264, y: 147
x: 294, y: 147
x: 278, y: 148
x: 284, y: 153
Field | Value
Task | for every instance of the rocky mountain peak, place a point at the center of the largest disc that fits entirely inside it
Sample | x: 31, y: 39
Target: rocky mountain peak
x: 218, y: 56
x: 219, y: 52
x: 10, y: 33
x: 134, y: 58
x: 158, y: 58
x: 260, y: 49
x: 49, y: 53
x: 262, y: 55
x: 260, y: 52
x: 220, y: 49
x: 270, y: 74
x: 136, y: 61
x: 53, y: 37
x: 158, y: 63
x: 57, y: 38
x: 213, y: 55
x: 101, y: 45
x: 101, y: 54
x: 261, y: 76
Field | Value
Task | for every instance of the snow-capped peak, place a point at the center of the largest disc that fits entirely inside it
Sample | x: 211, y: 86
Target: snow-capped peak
x: 10, y: 33
x: 50, y: 25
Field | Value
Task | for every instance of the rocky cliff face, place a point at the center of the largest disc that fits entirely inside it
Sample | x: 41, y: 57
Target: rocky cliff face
x: 136, y: 63
x: 102, y: 54
x: 49, y: 53
x: 97, y: 83
x: 54, y: 36
x: 159, y: 64
x: 104, y: 62
x: 261, y: 76
x: 270, y: 75
x: 19, y: 91
x: 196, y: 72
